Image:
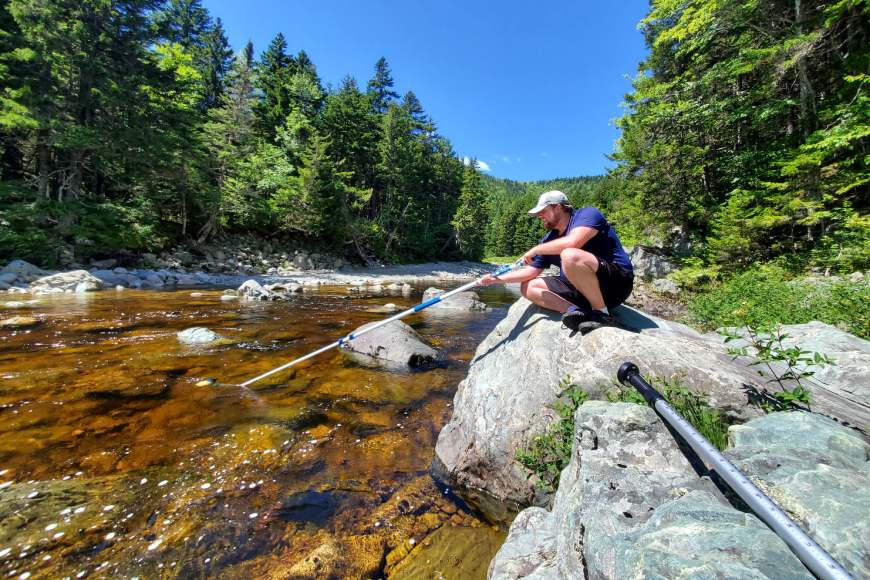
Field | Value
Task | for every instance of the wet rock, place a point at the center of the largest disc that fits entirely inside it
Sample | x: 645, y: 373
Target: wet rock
x: 395, y: 343
x: 8, y: 278
x: 650, y: 263
x: 198, y: 335
x: 388, y: 308
x: 229, y: 298
x: 818, y: 472
x: 449, y: 552
x: 21, y: 304
x: 18, y: 322
x: 467, y: 300
x: 253, y: 290
x: 76, y: 280
x: 352, y: 557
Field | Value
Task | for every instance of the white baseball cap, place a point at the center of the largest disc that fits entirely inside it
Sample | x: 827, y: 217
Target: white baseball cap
x: 549, y: 198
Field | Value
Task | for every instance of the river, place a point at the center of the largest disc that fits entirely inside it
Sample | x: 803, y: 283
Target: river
x: 115, y: 463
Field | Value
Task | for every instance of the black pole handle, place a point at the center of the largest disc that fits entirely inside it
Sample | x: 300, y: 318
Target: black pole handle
x: 629, y: 375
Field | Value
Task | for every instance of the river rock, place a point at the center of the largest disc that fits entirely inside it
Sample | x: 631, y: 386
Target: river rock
x: 514, y: 378
x: 74, y: 281
x: 630, y: 505
x: 104, y: 264
x: 253, y: 290
x: 393, y: 344
x: 198, y: 335
x: 19, y: 322
x: 8, y: 278
x: 23, y: 270
x: 818, y: 472
x: 467, y: 300
x: 650, y: 263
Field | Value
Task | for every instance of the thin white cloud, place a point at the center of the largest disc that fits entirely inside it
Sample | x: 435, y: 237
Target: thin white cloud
x: 481, y: 165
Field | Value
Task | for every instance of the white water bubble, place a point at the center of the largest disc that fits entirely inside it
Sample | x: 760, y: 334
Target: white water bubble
x: 58, y: 535
x: 143, y: 481
x: 79, y: 510
x: 205, y: 486
x: 81, y: 574
x: 155, y: 544
x: 25, y: 576
x: 162, y: 483
x: 32, y: 494
x: 5, y: 484
x: 253, y: 515
x: 65, y: 511
x: 108, y: 508
x: 5, y: 551
x: 110, y: 535
x: 50, y: 527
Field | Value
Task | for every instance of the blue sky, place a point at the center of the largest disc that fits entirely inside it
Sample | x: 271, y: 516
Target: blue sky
x: 530, y: 89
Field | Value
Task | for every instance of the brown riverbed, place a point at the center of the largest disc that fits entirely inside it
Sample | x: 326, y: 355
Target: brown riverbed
x: 116, y: 464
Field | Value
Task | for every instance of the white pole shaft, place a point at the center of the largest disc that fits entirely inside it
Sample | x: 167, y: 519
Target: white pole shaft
x: 358, y: 333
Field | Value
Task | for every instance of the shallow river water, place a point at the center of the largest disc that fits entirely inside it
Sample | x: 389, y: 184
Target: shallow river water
x: 114, y: 463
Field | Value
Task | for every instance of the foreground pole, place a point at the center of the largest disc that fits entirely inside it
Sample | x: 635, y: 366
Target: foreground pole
x: 811, y: 554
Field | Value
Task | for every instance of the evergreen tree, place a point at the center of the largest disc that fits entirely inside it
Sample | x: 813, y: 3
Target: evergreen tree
x: 380, y: 87
x: 274, y: 73
x: 470, y: 219
x: 352, y: 128
x: 217, y: 60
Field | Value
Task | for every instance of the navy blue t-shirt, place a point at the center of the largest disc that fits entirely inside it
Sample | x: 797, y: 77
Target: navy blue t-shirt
x: 605, y: 244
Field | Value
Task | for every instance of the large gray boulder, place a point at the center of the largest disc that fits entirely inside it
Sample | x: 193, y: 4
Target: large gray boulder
x: 24, y: 271
x: 630, y: 505
x: 841, y: 390
x: 818, y: 472
x: 651, y: 263
x: 514, y: 377
x: 75, y: 281
x: 395, y: 344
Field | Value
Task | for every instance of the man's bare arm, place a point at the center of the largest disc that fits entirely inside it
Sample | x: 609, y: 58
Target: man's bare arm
x: 576, y: 238
x: 522, y: 275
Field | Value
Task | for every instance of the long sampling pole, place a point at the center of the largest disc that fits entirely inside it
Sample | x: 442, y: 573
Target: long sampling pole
x: 359, y: 332
x: 811, y: 554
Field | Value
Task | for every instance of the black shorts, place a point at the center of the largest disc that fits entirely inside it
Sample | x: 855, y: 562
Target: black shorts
x: 616, y: 284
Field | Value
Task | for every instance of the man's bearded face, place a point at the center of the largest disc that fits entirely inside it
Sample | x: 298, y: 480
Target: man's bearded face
x: 549, y: 216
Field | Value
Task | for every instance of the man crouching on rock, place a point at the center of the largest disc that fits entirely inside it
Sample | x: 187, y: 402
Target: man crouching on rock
x: 596, y: 273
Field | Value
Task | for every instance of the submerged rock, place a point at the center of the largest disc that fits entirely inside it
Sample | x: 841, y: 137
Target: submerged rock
x: 198, y: 335
x: 396, y: 343
x: 467, y: 300
x: 19, y: 322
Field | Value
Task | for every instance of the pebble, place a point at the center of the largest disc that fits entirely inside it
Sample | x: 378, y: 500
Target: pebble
x: 5, y: 551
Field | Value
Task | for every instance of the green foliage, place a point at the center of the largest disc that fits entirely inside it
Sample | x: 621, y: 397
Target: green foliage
x: 693, y: 407
x: 766, y: 348
x: 548, y: 454
x: 766, y: 295
x: 469, y: 222
x: 748, y: 126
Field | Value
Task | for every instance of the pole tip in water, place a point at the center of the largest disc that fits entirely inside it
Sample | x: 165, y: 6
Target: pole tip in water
x: 206, y: 383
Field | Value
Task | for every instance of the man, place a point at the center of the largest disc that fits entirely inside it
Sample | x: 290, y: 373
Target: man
x: 596, y: 273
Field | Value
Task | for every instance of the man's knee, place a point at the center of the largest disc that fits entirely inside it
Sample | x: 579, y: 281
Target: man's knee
x: 531, y: 288
x: 575, y: 258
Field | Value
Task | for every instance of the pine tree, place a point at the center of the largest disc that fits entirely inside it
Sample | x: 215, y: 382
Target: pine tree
x: 217, y: 60
x: 470, y: 219
x: 380, y: 87
x: 274, y: 73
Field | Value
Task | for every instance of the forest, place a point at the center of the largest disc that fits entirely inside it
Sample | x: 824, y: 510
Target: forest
x: 131, y: 126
